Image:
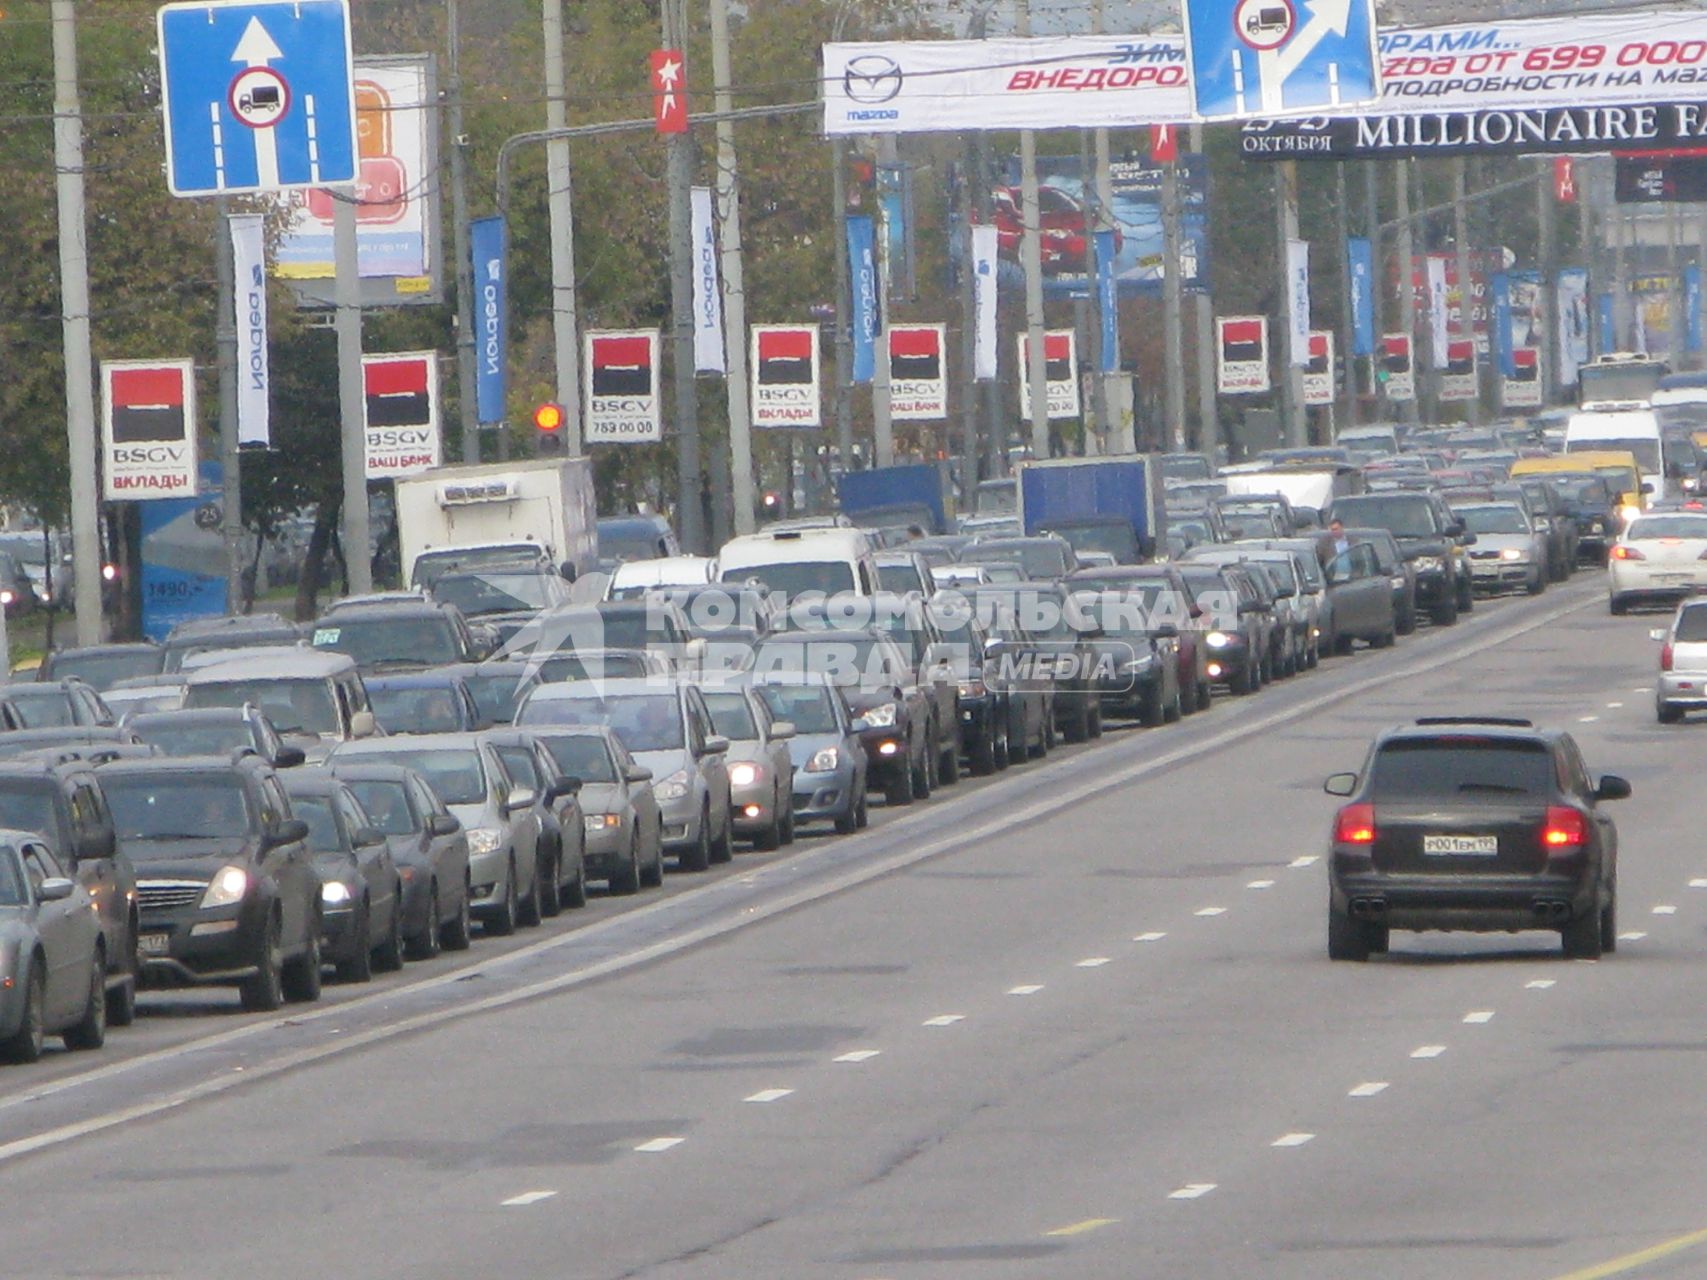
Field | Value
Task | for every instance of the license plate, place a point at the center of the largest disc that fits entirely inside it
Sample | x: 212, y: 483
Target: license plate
x: 153, y: 944
x: 1672, y: 577
x: 1472, y: 846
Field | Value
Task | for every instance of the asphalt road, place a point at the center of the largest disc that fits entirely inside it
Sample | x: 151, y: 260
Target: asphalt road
x: 1082, y: 1024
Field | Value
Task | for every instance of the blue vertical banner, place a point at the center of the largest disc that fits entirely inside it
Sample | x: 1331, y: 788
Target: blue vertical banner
x: 1608, y: 324
x: 1692, y: 306
x: 863, y: 306
x: 1499, y: 290
x: 1360, y: 263
x: 183, y: 556
x: 1108, y: 302
x: 491, y: 317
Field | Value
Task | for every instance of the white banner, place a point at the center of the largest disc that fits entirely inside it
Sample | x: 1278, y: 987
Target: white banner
x: 984, y: 250
x: 1069, y: 82
x: 619, y: 376
x: 918, y: 372
x: 787, y: 376
x: 1298, y: 298
x: 1319, y: 368
x: 249, y: 258
x: 148, y: 429
x: 1573, y: 323
x: 1241, y: 355
x: 708, y: 354
x: 1061, y: 382
x: 1439, y: 310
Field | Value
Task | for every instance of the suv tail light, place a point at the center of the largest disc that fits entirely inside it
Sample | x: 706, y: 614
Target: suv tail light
x: 1625, y: 552
x: 1565, y: 829
x: 1665, y: 651
x: 1355, y: 824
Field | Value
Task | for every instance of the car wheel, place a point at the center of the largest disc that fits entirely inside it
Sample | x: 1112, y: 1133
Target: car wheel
x: 1244, y: 683
x: 1343, y: 645
x: 1406, y: 623
x: 1445, y: 615
x: 425, y: 944
x: 263, y: 990
x: 504, y: 922
x: 1536, y: 585
x: 1619, y: 606
x: 1668, y: 714
x: 698, y: 858
x: 770, y: 839
x: 626, y: 878
x: 388, y: 956
x: 922, y: 775
x: 981, y: 754
x: 91, y: 1029
x: 528, y: 911
x: 1581, y: 937
x: 575, y: 896
x: 1079, y: 727
x: 301, y: 977
x: 1347, y: 939
x: 948, y: 764
x: 1609, y: 921
x: 551, y: 887
x: 1206, y: 695
x: 25, y: 1044
x: 458, y: 934
x: 787, y: 803
x: 1466, y: 596
x: 121, y: 997
x: 847, y: 823
x: 653, y: 877
x: 723, y: 848
x: 1174, y: 710
x: 359, y: 967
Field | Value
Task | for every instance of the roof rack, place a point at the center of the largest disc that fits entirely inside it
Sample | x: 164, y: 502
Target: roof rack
x: 1508, y: 722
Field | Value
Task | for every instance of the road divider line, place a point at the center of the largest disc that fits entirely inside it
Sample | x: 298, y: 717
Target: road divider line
x: 1665, y: 909
x: 1292, y: 1139
x: 1539, y: 984
x: 857, y: 1055
x: 1635, y: 935
x: 1029, y: 989
x: 527, y: 1198
x: 1478, y: 1016
x: 1587, y: 719
x: 1079, y: 1228
x: 1210, y: 911
x: 1092, y: 962
x: 1149, y: 937
x: 768, y: 1095
x: 944, y: 1020
x: 1641, y: 1258
x: 1192, y: 1191
x: 1304, y: 860
x: 1428, y: 1051
x: 1260, y: 884
x: 659, y: 1144
x: 1368, y: 1089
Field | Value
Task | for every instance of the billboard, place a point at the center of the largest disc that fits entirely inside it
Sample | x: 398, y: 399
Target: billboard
x: 918, y: 372
x: 400, y: 413
x: 619, y: 370
x: 148, y: 429
x: 183, y: 556
x: 397, y: 213
x: 1521, y: 388
x: 1241, y: 355
x: 1398, y: 370
x: 1061, y: 384
x: 786, y: 376
x: 1319, y: 368
x: 1458, y: 374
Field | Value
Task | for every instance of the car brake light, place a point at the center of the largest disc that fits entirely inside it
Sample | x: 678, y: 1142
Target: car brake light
x: 1665, y: 656
x: 1355, y: 824
x: 1565, y: 829
x: 1622, y: 552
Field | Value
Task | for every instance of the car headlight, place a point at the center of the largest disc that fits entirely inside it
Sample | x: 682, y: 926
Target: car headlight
x: 597, y: 822
x: 334, y: 893
x: 484, y: 839
x: 972, y: 689
x: 1424, y: 563
x: 1217, y: 639
x: 227, y: 887
x: 823, y: 760
x: 1628, y: 513
x: 1511, y: 553
x: 744, y: 774
x: 882, y: 716
x: 674, y: 787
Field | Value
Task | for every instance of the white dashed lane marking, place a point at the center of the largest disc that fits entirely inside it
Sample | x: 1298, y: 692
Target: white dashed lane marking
x: 945, y: 1020
x: 1192, y: 1191
x: 1539, y: 984
x: 1092, y: 962
x: 1478, y: 1016
x: 1292, y: 1139
x: 1304, y: 861
x: 1149, y: 937
x: 1635, y: 935
x: 768, y: 1095
x: 1698, y: 883
x: 1211, y: 911
x: 1665, y: 909
x: 1030, y: 989
x: 527, y: 1198
x: 1260, y: 884
x: 1613, y: 706
x: 1587, y: 719
x: 1368, y: 1089
x: 660, y: 1144
x: 1428, y: 1051
x: 857, y: 1055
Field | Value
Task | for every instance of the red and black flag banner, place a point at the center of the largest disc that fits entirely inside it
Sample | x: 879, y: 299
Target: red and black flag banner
x: 1060, y: 366
x: 1319, y: 368
x: 1242, y: 355
x: 148, y: 429
x: 400, y: 406
x: 1400, y: 382
x: 1521, y: 389
x: 786, y: 378
x: 1458, y: 378
x: 918, y: 383
x: 620, y: 372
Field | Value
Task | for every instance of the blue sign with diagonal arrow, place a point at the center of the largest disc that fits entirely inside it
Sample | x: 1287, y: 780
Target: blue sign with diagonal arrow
x: 1273, y: 57
x: 258, y: 95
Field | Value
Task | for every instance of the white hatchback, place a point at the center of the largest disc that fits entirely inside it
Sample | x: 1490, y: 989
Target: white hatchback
x: 1660, y: 556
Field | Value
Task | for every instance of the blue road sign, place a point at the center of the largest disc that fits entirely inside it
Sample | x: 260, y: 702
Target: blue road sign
x: 258, y: 95
x: 1273, y: 57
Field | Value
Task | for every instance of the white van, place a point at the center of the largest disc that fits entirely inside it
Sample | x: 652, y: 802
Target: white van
x: 1634, y: 431
x: 634, y: 578
x: 793, y: 561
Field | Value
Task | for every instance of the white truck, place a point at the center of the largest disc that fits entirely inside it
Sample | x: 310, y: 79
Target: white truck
x: 496, y: 512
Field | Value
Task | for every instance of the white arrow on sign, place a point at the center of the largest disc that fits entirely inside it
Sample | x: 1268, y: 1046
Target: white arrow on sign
x: 1277, y: 66
x: 256, y: 49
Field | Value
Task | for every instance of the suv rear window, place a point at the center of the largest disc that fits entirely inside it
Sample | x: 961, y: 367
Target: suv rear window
x: 1692, y: 625
x: 1459, y: 765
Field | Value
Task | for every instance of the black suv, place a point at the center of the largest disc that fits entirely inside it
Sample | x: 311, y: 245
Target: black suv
x: 227, y: 887
x: 398, y: 636
x: 1476, y: 823
x: 1431, y: 537
x: 215, y: 731
x: 61, y: 801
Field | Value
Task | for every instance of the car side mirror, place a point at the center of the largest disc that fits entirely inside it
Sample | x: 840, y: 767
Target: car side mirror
x: 96, y: 847
x: 859, y: 725
x: 443, y: 824
x: 782, y: 730
x: 290, y: 831
x: 363, y: 725
x: 1467, y: 539
x: 566, y: 571
x: 1340, y: 784
x: 288, y: 757
x: 561, y: 786
x: 1612, y: 787
x: 520, y: 798
x: 715, y: 745
x: 1647, y: 487
x: 637, y: 773
x: 1455, y: 529
x: 55, y: 889
x: 1658, y: 633
x: 366, y: 837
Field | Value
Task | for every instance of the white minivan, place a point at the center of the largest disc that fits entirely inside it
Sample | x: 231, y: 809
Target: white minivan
x: 1634, y: 431
x: 791, y: 562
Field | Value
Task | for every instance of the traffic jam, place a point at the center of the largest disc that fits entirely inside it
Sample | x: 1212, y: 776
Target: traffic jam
x: 259, y: 807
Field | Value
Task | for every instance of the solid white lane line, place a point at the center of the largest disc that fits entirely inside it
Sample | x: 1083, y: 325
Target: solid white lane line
x: 1092, y: 962
x: 1479, y: 1016
x: 1030, y: 989
x: 1368, y: 1089
x: 1260, y: 884
x: 1292, y: 1139
x: 1210, y: 911
x: 660, y: 1144
x: 1665, y: 909
x: 1192, y: 1191
x: 529, y: 1197
x: 1149, y: 937
x: 1539, y: 984
x: 944, y: 1020
x: 1306, y: 860
x: 767, y: 1095
x: 857, y: 1055
x: 1428, y: 1051
x: 1635, y: 935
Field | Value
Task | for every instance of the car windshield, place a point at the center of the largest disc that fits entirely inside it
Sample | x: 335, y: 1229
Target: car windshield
x: 1646, y: 449
x: 101, y: 670
x: 1115, y: 538
x: 1402, y: 517
x: 1585, y: 490
x: 1130, y: 611
x: 27, y: 807
x: 1186, y: 467
x: 155, y: 808
x: 196, y: 739
x: 177, y: 654
x: 433, y: 709
x: 455, y: 774
x: 1038, y: 559
x: 1692, y: 624
x: 580, y: 755
x: 793, y: 578
x: 1428, y: 768
x: 42, y: 708
x: 11, y: 881
x: 1691, y: 527
x: 1620, y: 480
x: 493, y: 592
x: 809, y: 708
x: 644, y: 721
x: 428, y: 641
x: 577, y: 666
x: 628, y: 544
x: 851, y: 662
x: 1493, y: 519
x: 901, y: 578
x: 731, y: 716
x: 316, y: 811
x: 294, y: 706
x: 429, y: 568
x: 387, y: 806
x: 496, y: 694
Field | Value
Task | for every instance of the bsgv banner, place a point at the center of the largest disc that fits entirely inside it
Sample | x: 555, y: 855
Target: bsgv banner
x: 939, y: 86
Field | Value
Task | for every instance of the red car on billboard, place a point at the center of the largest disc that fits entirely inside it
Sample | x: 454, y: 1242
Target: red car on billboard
x: 1064, y: 234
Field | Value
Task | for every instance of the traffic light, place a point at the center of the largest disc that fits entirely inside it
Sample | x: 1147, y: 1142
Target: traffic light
x: 548, y: 420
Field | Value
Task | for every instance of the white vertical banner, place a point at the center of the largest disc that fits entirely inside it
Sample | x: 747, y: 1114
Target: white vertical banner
x: 1438, y: 335
x: 707, y: 299
x: 254, y: 380
x: 1298, y: 298
x: 984, y: 295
